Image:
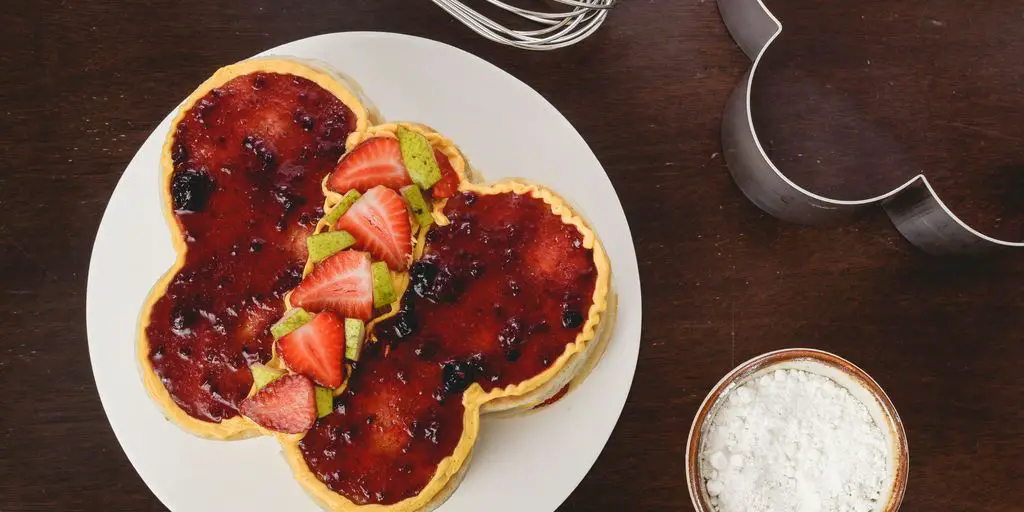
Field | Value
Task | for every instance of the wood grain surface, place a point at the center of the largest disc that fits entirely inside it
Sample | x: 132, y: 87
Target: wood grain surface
x: 84, y: 82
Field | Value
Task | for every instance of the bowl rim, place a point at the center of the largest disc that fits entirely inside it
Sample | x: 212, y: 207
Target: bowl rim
x: 694, y: 481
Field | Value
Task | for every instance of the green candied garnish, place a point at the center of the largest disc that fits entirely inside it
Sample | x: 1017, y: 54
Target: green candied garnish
x: 346, y: 202
x: 418, y: 156
x: 383, y: 288
x: 354, y: 331
x: 263, y: 375
x: 324, y: 401
x: 292, y: 319
x: 418, y: 205
x: 322, y: 245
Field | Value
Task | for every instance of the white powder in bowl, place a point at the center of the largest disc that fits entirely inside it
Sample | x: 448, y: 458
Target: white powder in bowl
x: 793, y: 441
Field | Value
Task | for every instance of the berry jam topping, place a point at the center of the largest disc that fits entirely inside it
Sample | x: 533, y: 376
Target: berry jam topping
x: 245, y: 188
x: 486, y: 305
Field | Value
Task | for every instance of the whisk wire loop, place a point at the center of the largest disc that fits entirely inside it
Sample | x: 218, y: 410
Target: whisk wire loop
x: 557, y: 29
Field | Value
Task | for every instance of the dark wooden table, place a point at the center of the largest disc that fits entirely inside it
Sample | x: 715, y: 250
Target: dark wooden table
x: 84, y: 82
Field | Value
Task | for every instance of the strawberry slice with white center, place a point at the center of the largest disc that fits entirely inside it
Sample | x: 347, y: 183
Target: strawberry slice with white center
x: 375, y: 161
x: 380, y: 224
x: 286, y: 405
x: 316, y: 349
x: 341, y: 283
x: 449, y: 178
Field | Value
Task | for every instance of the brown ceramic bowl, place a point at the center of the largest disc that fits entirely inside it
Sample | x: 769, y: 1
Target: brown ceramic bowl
x: 844, y: 373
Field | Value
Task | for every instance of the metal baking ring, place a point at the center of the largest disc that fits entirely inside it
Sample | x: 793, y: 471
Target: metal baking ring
x: 914, y: 207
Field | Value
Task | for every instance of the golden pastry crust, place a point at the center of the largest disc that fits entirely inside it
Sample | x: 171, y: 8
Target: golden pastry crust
x: 238, y: 427
x: 474, y: 400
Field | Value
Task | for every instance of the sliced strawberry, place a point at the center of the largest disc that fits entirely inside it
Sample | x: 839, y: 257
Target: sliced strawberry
x: 341, y: 283
x: 449, y: 178
x: 380, y: 224
x: 375, y: 161
x: 316, y: 349
x: 285, y: 405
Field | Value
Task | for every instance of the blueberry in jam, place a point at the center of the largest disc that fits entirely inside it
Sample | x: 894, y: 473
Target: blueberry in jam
x: 260, y: 148
x: 572, y: 316
x: 572, y: 319
x: 456, y: 376
x: 183, y: 317
x: 436, y: 284
x: 287, y: 279
x: 179, y: 153
x: 476, y: 269
x: 421, y: 277
x: 191, y: 189
x: 405, y: 320
x: 448, y: 285
x: 511, y: 335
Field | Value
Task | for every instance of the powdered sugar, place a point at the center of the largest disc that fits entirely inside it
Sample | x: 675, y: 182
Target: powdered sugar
x: 793, y: 441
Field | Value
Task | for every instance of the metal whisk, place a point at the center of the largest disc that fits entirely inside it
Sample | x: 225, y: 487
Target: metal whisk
x: 558, y: 29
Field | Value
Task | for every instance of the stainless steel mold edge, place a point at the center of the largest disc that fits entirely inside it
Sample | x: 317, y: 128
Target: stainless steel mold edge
x: 914, y: 207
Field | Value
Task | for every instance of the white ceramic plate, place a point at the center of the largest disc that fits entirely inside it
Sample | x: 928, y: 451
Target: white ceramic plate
x: 506, y: 129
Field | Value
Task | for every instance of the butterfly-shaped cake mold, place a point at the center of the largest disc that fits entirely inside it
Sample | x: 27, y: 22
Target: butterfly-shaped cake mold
x: 912, y: 201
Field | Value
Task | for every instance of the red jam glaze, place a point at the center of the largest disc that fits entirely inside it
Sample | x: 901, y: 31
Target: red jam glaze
x: 554, y: 398
x: 248, y: 160
x: 496, y: 298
